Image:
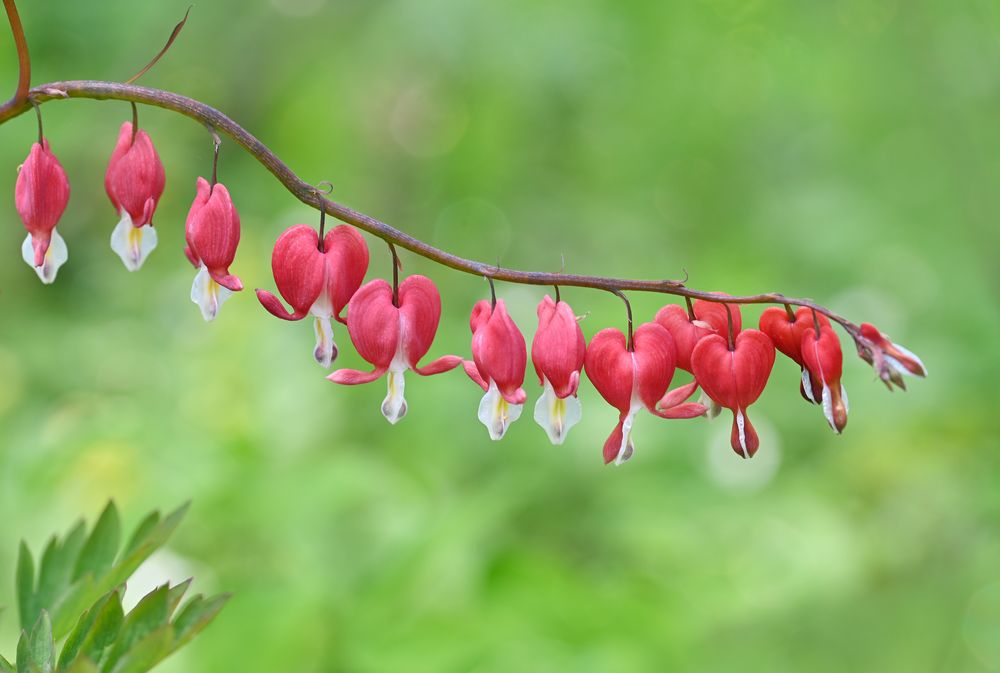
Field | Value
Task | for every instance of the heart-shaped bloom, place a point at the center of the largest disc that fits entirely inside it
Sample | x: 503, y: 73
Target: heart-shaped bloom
x: 558, y: 351
x: 635, y: 380
x: 40, y: 195
x: 890, y: 360
x: 134, y: 182
x: 212, y: 232
x: 499, y: 360
x: 822, y: 358
x: 316, y: 280
x: 735, y: 379
x: 786, y: 333
x: 709, y: 318
x: 393, y: 337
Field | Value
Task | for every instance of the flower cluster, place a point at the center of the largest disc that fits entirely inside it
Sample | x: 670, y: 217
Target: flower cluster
x: 393, y: 325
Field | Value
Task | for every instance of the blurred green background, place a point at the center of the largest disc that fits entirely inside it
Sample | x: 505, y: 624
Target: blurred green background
x: 847, y: 150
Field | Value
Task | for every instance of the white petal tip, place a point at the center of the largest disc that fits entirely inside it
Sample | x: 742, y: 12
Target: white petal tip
x: 133, y: 244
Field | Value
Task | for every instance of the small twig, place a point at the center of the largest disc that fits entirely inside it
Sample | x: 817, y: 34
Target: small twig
x: 170, y: 40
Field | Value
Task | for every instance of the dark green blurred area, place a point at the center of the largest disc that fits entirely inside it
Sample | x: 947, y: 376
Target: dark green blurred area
x: 847, y: 150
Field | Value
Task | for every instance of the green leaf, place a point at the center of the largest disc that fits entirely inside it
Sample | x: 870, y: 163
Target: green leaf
x: 176, y: 593
x: 5, y: 666
x: 150, y: 614
x: 23, y: 653
x: 147, y: 653
x: 99, y: 552
x: 40, y: 646
x: 95, y: 631
x: 142, y: 531
x: 25, y: 581
x: 195, y: 616
x: 56, y: 566
x: 82, y: 666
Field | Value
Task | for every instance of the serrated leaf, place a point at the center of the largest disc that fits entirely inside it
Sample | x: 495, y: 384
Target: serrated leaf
x: 147, y: 616
x: 147, y: 652
x: 72, y: 604
x: 25, y: 581
x: 142, y: 531
x: 175, y: 595
x: 95, y: 631
x: 98, y: 553
x: 56, y: 566
x: 195, y: 616
x: 41, y: 653
x: 23, y: 653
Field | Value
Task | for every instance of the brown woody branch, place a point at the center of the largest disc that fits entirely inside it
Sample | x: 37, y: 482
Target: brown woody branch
x: 216, y: 121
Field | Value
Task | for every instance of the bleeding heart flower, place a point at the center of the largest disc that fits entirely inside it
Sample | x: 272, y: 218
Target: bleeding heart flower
x: 709, y: 318
x: 558, y: 351
x: 634, y: 380
x: 394, y: 336
x: 134, y: 182
x: 786, y: 333
x: 212, y: 232
x: 822, y: 358
x: 890, y: 360
x: 735, y: 379
x: 316, y: 280
x: 499, y: 358
x: 40, y: 195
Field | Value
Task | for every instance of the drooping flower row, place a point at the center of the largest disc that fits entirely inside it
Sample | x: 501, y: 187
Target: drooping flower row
x: 392, y: 326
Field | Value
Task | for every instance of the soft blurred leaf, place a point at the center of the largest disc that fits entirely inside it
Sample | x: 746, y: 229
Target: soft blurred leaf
x: 195, y: 616
x: 95, y: 631
x: 149, y: 614
x: 99, y: 552
x: 25, y: 582
x: 147, y: 652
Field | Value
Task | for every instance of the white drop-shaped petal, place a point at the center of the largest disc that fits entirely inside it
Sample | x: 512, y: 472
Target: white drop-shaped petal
x: 55, y: 257
x: 556, y: 415
x: 207, y: 294
x: 326, y: 349
x: 712, y: 408
x: 741, y: 427
x: 807, y: 386
x: 394, y: 404
x: 627, y: 447
x: 828, y: 407
x: 496, y: 413
x: 132, y: 244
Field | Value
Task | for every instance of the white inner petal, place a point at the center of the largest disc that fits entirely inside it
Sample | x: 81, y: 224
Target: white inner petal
x: 394, y: 404
x: 55, y: 257
x: 207, y: 294
x: 712, y: 408
x: 132, y: 244
x: 556, y: 415
x: 828, y: 407
x: 843, y: 396
x: 627, y: 448
x: 807, y: 385
x: 326, y: 349
x: 496, y: 413
x: 741, y: 427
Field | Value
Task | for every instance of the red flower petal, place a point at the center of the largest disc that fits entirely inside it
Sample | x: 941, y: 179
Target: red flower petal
x: 135, y: 177
x: 40, y: 195
x: 213, y: 232
x: 346, y: 265
x: 558, y: 349
x: 499, y: 350
x: 298, y: 267
x: 373, y: 323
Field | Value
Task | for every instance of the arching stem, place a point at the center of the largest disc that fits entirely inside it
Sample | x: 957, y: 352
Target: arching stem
x: 628, y: 312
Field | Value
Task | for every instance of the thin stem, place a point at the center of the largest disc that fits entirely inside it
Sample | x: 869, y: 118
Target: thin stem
x: 628, y: 311
x: 216, y: 144
x: 170, y: 40
x: 729, y: 319
x: 322, y: 231
x: 23, y: 61
x: 38, y: 114
x: 395, y: 274
x: 493, y: 292
x: 690, y: 307
x: 306, y: 193
x: 558, y: 297
x: 790, y: 312
x: 816, y: 324
x: 135, y: 121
